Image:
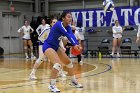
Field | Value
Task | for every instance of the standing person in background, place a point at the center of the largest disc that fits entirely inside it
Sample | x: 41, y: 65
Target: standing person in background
x: 81, y: 31
x: 42, y: 26
x: 56, y: 55
x: 26, y: 30
x: 117, y: 37
x: 138, y: 35
x: 73, y: 51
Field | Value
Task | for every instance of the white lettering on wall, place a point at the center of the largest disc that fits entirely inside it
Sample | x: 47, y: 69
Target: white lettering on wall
x: 113, y: 18
x: 126, y: 13
x: 100, y: 18
x: 85, y: 19
x: 75, y: 16
x: 136, y: 16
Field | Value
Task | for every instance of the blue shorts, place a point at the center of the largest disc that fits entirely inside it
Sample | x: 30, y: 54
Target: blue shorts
x: 46, y: 46
x: 40, y: 43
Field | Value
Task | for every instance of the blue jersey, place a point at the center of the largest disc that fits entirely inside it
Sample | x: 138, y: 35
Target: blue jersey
x: 56, y: 33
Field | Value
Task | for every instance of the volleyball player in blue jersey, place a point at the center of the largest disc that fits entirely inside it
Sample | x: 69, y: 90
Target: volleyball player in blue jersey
x: 56, y: 55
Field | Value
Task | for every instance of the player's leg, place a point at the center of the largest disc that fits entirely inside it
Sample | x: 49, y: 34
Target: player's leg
x: 82, y: 45
x: 80, y: 59
x: 114, y: 46
x: 65, y: 59
x: 25, y: 48
x: 57, y: 66
x: 118, y: 46
x: 37, y: 63
x: 31, y: 47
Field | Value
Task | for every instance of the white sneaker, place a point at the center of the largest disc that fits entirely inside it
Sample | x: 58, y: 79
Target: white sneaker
x: 32, y: 77
x: 112, y: 55
x: 118, y: 55
x: 27, y: 57
x: 53, y: 88
x: 76, y: 84
x: 81, y: 62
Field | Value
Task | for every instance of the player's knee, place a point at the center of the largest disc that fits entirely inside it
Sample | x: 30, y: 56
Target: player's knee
x: 70, y: 65
x: 25, y: 47
x: 31, y: 47
x: 57, y: 66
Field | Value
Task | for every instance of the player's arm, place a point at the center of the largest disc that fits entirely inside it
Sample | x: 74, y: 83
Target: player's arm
x: 38, y: 28
x: 113, y: 30
x: 78, y: 37
x: 61, y: 44
x: 32, y: 30
x: 121, y: 31
x: 20, y: 30
x: 44, y: 34
x: 68, y: 33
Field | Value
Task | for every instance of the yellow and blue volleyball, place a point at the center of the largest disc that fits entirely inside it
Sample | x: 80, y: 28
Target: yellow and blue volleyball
x: 108, y: 5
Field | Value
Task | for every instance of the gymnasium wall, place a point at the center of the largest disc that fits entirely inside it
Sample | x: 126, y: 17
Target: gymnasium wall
x: 25, y: 10
x: 58, y: 7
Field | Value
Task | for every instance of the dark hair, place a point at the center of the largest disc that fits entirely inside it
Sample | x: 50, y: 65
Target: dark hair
x: 52, y: 20
x: 63, y: 15
x: 43, y: 19
x: 116, y: 21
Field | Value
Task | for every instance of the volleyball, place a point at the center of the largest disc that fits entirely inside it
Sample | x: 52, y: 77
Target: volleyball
x: 108, y: 5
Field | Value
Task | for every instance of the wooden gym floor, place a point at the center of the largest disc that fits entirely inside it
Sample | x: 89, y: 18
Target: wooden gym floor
x: 106, y: 75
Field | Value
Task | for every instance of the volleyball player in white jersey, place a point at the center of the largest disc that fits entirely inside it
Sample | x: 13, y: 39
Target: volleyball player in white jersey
x: 42, y: 36
x: 138, y: 35
x: 26, y: 30
x: 117, y: 37
x: 78, y: 37
x: 42, y: 26
x: 81, y: 31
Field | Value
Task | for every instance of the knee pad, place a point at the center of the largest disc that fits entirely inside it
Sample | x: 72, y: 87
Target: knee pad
x: 39, y: 60
x: 57, y: 66
x: 70, y: 65
x: 25, y: 47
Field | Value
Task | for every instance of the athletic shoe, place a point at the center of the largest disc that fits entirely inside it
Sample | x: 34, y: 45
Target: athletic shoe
x: 118, y: 55
x: 27, y: 57
x: 76, y: 84
x: 32, y: 77
x: 112, y: 55
x: 53, y: 88
x: 81, y: 62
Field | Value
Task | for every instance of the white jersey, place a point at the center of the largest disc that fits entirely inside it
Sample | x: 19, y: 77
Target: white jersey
x: 81, y: 32
x: 77, y: 35
x: 117, y: 31
x: 26, y: 31
x: 44, y: 34
x: 138, y: 33
x: 41, y: 28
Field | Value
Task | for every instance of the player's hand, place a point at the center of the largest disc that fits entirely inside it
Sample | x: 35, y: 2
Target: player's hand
x: 77, y: 47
